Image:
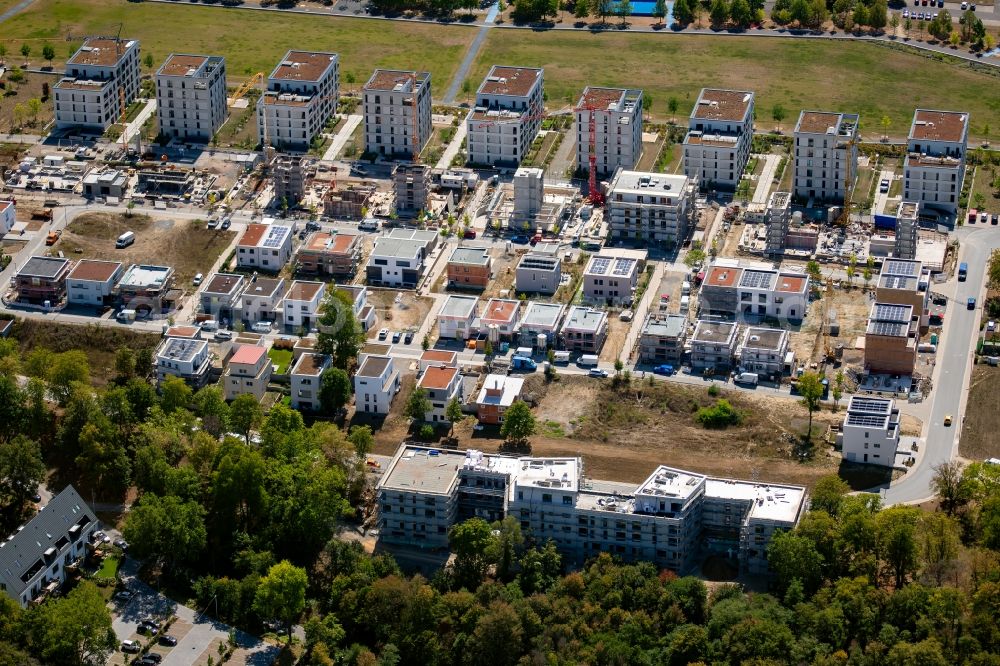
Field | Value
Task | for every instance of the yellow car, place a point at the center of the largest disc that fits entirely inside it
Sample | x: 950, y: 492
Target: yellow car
x: 947, y: 419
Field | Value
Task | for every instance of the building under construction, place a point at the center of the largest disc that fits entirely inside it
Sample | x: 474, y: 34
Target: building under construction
x: 411, y: 183
x: 289, y: 175
x: 348, y: 202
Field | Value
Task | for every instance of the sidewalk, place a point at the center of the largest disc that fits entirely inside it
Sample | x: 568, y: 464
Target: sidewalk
x: 452, y: 150
x: 639, y: 316
x: 766, y: 176
x: 342, y: 137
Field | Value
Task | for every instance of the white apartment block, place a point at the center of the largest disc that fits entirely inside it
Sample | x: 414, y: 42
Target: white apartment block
x: 506, y: 117
x: 764, y: 351
x: 539, y: 270
x: 871, y: 430
x: 610, y: 279
x: 825, y: 155
x: 753, y: 292
x: 301, y: 305
x: 262, y: 300
x: 306, y: 378
x: 7, y: 216
x: 651, y: 208
x: 191, y: 96
x: 617, y: 115
x: 397, y: 112
x: 375, y: 385
x: 266, y: 247
x: 720, y: 132
x: 713, y: 345
x: 90, y: 93
x: 301, y: 96
x: 187, y: 358
x: 456, y: 317
x: 92, y: 282
x: 248, y: 372
x: 935, y: 159
x: 672, y: 519
x: 442, y: 383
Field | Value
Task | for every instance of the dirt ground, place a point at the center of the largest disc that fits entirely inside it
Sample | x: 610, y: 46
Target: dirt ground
x: 188, y: 246
x: 617, y: 332
x: 394, y: 427
x: 15, y: 94
x: 504, y: 273
x: 979, y: 439
x: 409, y: 311
x: 850, y: 307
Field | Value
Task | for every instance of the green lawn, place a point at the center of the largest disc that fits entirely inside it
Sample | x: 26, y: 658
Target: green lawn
x: 838, y: 76
x: 251, y: 41
x: 281, y: 357
x: 109, y: 567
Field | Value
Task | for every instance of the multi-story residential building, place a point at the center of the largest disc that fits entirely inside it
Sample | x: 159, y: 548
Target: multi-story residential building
x: 301, y: 95
x: 651, y: 208
x: 301, y: 305
x: 7, y: 210
x: 411, y: 183
x: 92, y: 282
x: 501, y: 314
x: 42, y: 280
x: 375, y: 385
x: 713, y: 346
x: 35, y: 559
x: 720, y: 132
x: 497, y: 394
x: 191, y: 96
x: 662, y: 338
x: 753, y: 292
x: 456, y: 317
x: 247, y: 373
x: 397, y: 112
x: 334, y: 254
x: 934, y: 167
x: 146, y: 287
x: 506, y: 117
x: 584, y: 330
x: 891, y: 339
x: 289, y: 177
x: 437, y: 357
x: 539, y: 327
x: 529, y: 192
x: 187, y: 358
x: 610, y: 280
x: 907, y: 230
x: 764, y: 351
x: 825, y: 155
x: 266, y: 247
x: 364, y: 312
x: 870, y: 433
x: 222, y: 297
x: 670, y: 519
x: 305, y: 378
x: 442, y: 384
x: 469, y: 268
x: 398, y: 258
x: 262, y: 300
x: 89, y: 94
x: 617, y: 117
x: 904, y: 282
x: 539, y: 271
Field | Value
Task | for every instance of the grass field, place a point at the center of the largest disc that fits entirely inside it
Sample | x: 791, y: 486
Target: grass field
x: 844, y: 76
x: 250, y: 41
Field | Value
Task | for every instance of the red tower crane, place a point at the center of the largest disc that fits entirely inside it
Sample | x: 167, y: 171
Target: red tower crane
x: 594, y: 193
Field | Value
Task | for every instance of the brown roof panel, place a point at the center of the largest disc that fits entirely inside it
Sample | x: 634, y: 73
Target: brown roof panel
x: 438, y: 377
x: 100, y: 51
x: 510, y: 81
x: 731, y: 105
x: 253, y: 234
x: 92, y: 269
x: 303, y: 291
x: 303, y: 66
x: 180, y: 64
x: 388, y: 79
x: 817, y: 122
x: 939, y: 125
x: 723, y: 276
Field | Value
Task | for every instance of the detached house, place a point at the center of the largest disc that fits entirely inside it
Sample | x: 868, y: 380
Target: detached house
x: 92, y: 282
x: 498, y: 393
x: 249, y: 371
x: 266, y: 247
x: 375, y: 385
x: 442, y: 383
x: 306, y: 377
x: 302, y: 304
x: 184, y: 357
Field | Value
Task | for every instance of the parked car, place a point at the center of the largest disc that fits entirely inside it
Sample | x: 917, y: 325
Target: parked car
x: 213, y: 223
x: 167, y: 639
x: 883, y: 185
x: 964, y: 6
x: 150, y: 659
x: 148, y: 627
x: 124, y: 596
x: 597, y: 372
x: 991, y: 325
x: 221, y: 336
x: 469, y: 233
x: 396, y: 336
x: 947, y: 420
x: 906, y: 13
x: 262, y: 327
x: 971, y: 303
x: 121, y: 543
x: 198, y: 277
x: 408, y: 338
x: 520, y: 239
x: 226, y: 223
x: 129, y: 645
x: 665, y: 369
x: 383, y: 333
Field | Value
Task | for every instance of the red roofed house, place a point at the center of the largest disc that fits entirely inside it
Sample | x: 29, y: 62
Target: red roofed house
x: 92, y: 282
x: 442, y: 383
x: 248, y: 371
x: 503, y: 313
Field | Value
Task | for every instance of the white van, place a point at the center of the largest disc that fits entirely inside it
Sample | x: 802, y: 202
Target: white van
x: 561, y: 357
x: 368, y: 224
x: 587, y: 360
x: 685, y: 303
x: 748, y: 378
x: 125, y: 239
x: 209, y: 325
x: 526, y: 352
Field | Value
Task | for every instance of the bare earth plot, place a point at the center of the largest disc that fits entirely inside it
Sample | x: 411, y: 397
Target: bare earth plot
x: 409, y: 311
x: 982, y: 419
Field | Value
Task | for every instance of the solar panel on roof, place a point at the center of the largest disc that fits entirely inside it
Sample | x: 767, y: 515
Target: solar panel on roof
x: 897, y: 267
x: 623, y: 267
x: 870, y: 405
x: 889, y: 328
x: 601, y: 265
x: 866, y: 420
x: 755, y: 279
x: 891, y: 313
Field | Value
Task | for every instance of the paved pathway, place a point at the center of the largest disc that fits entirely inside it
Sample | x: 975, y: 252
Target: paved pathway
x: 342, y: 137
x: 15, y: 10
x: 470, y: 56
x: 21, y: 138
x: 452, y: 150
x: 639, y: 316
x: 135, y: 126
x: 766, y: 176
x: 882, y: 197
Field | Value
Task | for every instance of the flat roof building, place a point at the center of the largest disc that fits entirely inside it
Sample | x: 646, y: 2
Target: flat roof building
x: 397, y: 112
x: 89, y: 93
x: 891, y: 339
x: 191, y: 96
x: 92, y: 282
x: 662, y: 338
x: 713, y: 346
x: 584, y: 330
x: 870, y: 432
x: 934, y: 167
x: 651, y: 208
x: 617, y: 116
x: 720, y: 132
x: 506, y: 117
x: 301, y: 96
x: 539, y: 326
x: 825, y: 155
x: 539, y: 270
x: 764, y: 351
x: 610, y: 279
x: 42, y: 280
x: 335, y: 254
x: 469, y: 268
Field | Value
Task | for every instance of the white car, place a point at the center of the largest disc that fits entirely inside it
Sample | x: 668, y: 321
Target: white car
x: 223, y: 335
x: 383, y: 333
x: 130, y: 646
x: 597, y: 372
x: 991, y: 325
x: 262, y: 327
x: 197, y: 279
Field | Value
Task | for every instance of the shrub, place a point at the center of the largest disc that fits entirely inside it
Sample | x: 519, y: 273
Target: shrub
x: 713, y: 390
x: 426, y: 432
x: 720, y: 415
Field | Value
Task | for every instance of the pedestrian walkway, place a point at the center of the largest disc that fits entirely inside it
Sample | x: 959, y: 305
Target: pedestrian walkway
x: 452, y: 150
x: 342, y: 137
x: 135, y: 126
x: 766, y: 176
x: 639, y: 316
x: 470, y: 56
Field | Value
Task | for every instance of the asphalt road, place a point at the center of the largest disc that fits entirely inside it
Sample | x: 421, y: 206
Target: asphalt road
x: 954, y: 363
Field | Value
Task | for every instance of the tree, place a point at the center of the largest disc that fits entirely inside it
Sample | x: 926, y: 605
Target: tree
x: 878, y: 14
x: 21, y: 470
x: 602, y: 9
x: 940, y: 28
x: 778, y: 113
x: 896, y: 540
x: 417, y: 405
x: 518, y: 423
x: 148, y: 61
x: 624, y: 10
x: 49, y: 53
x: 860, y: 15
x: 25, y: 51
x: 814, y: 271
x: 167, y: 529
x: 581, y: 9
x: 66, y: 369
x: 811, y: 389
x: 719, y: 13
x: 741, y: 14
x: 694, y: 256
x: 245, y: 415
x: 34, y: 108
x: 795, y: 558
x: 838, y: 389
x: 453, y: 412
x: 175, y: 394
x: 866, y: 275
x: 950, y: 485
x: 281, y: 594
x: 471, y: 542
x: 340, y: 335
x: 672, y: 103
x: 660, y: 11
x: 335, y: 390
x: 507, y: 543
x: 102, y: 459
x: 124, y: 364
x: 362, y: 439
x: 75, y: 629
x: 939, y: 543
x: 894, y: 23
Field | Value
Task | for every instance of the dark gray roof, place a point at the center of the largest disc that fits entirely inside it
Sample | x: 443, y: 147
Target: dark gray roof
x: 43, y: 267
x: 22, y: 556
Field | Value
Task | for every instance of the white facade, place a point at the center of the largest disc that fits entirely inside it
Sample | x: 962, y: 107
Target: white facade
x: 301, y: 96
x: 529, y: 191
x: 93, y: 282
x: 306, y: 377
x: 763, y: 350
x: 651, y: 208
x: 396, y: 262
x: 617, y: 117
x: 506, y: 117
x: 6, y: 216
x: 96, y: 78
x: 871, y: 430
x: 825, y: 155
x: 191, y: 96
x: 375, y: 385
x: 442, y: 384
x: 610, y: 280
x: 264, y: 246
x: 301, y: 304
x: 934, y: 167
x: 753, y: 292
x: 539, y: 270
x: 720, y: 132
x: 397, y: 112
x: 456, y: 316
x: 187, y: 358
x: 262, y: 300
x: 248, y: 372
